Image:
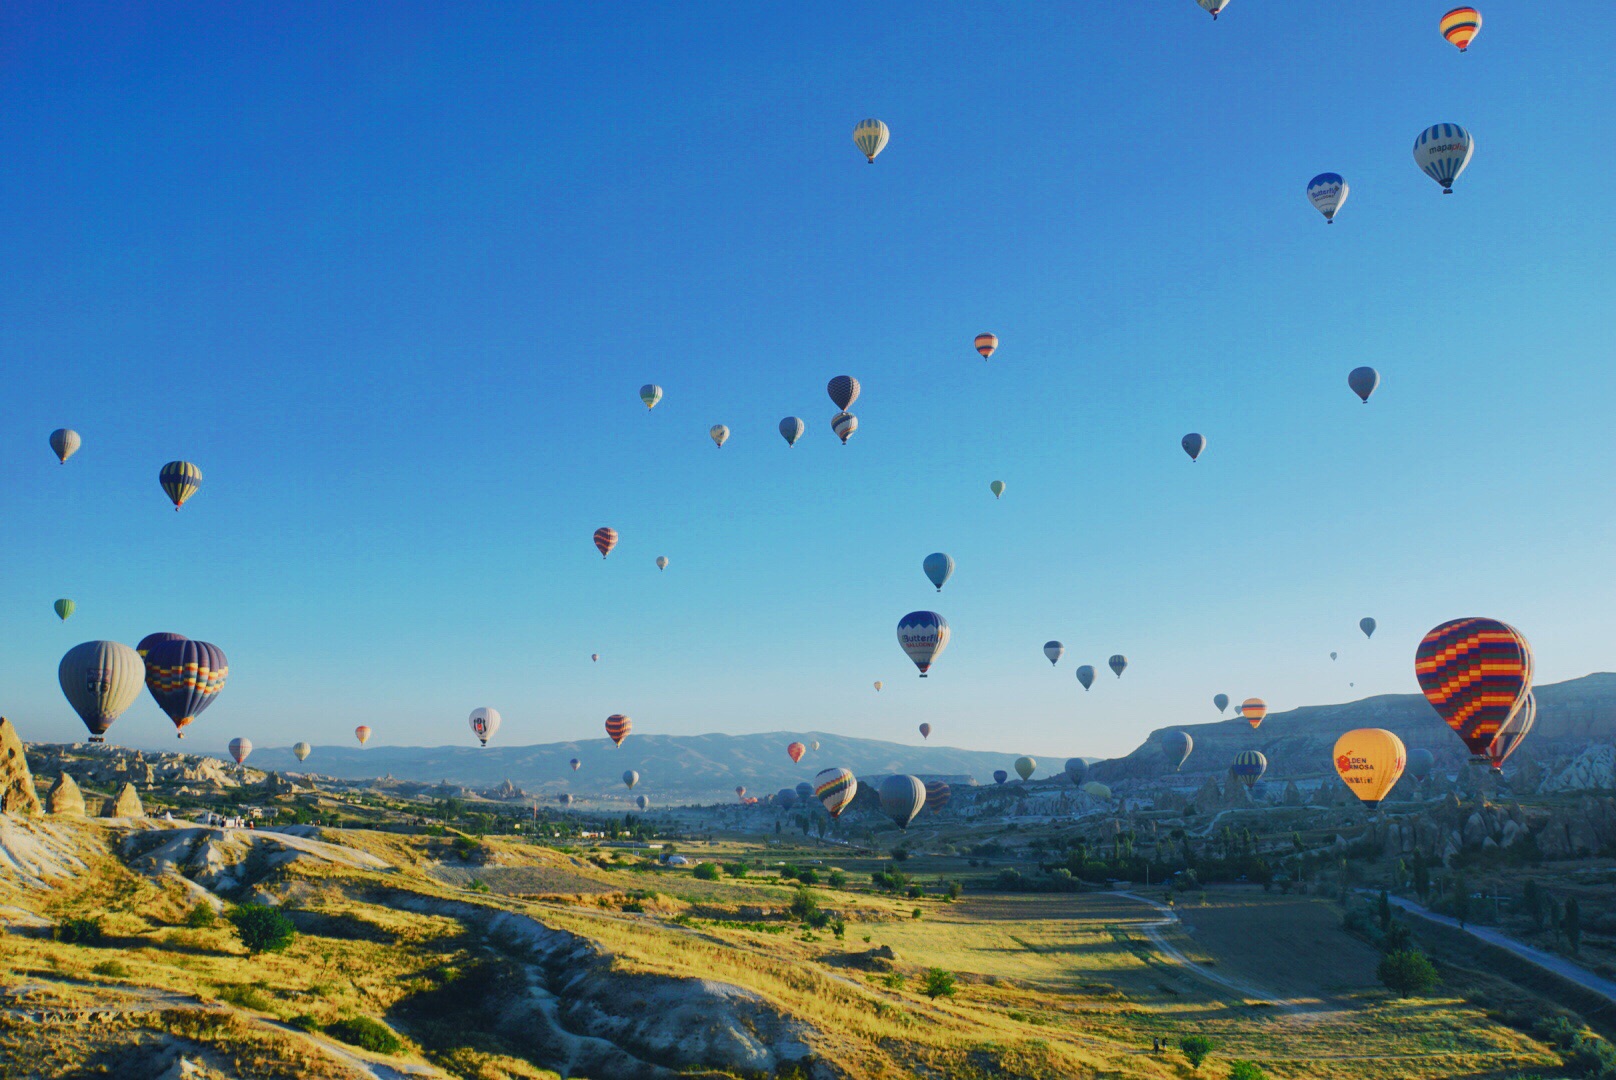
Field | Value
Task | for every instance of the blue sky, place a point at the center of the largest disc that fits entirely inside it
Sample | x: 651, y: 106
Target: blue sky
x: 392, y: 275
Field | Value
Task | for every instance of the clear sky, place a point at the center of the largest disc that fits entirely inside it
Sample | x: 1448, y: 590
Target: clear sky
x: 392, y: 275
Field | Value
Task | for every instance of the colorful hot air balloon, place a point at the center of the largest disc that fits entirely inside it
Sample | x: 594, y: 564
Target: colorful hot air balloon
x: 1369, y: 761
x: 151, y: 640
x: 576, y: 764
x: 184, y: 678
x: 1221, y: 701
x: 1363, y: 381
x: 835, y: 789
x: 1000, y: 776
x: 617, y: 727
x: 1085, y: 675
x: 997, y: 487
x: 100, y: 680
x: 1328, y: 193
x: 740, y: 792
x: 643, y: 802
x: 986, y: 343
x: 1254, y: 709
x: 1076, y: 770
x: 843, y: 391
x: 1177, y: 746
x: 362, y: 733
x: 1420, y: 764
x: 64, y: 608
x: 902, y: 797
x: 1475, y: 673
x: 605, y: 540
x: 1443, y: 151
x: 925, y: 731
x: 1248, y: 767
x: 844, y: 424
x: 661, y: 562
x: 794, y: 751
x: 1367, y: 625
x: 1214, y: 6
x: 1118, y: 663
x: 1054, y: 650
x: 180, y: 479
x: 1515, y: 729
x: 630, y: 778
x: 1460, y: 26
x: 484, y: 722
x: 871, y: 137
x: 650, y: 393
x: 65, y: 442
x: 302, y: 750
x: 878, y: 686
x: 719, y: 434
x: 937, y: 795
x: 1024, y: 767
x: 1193, y: 444
x: 939, y: 568
x: 240, y: 748
x: 923, y: 635
x: 791, y: 429
x: 564, y: 799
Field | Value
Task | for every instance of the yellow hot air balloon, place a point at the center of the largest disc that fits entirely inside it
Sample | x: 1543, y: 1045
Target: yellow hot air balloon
x: 1369, y: 761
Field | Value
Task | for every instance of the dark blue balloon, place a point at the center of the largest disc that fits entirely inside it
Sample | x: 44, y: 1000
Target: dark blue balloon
x: 1363, y: 381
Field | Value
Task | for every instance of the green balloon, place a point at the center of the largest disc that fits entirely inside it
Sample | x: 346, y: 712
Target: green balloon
x: 1025, y: 767
x: 64, y: 608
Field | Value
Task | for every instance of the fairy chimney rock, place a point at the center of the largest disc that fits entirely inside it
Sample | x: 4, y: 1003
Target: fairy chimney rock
x: 126, y: 804
x: 65, y: 797
x: 17, y: 794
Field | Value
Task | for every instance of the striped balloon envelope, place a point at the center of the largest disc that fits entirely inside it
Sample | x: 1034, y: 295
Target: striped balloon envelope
x: 923, y: 635
x: 843, y: 391
x: 1254, y: 709
x: 618, y: 726
x: 835, y: 789
x: 184, y: 678
x: 1475, y: 673
x: 1213, y: 6
x: 180, y: 479
x: 240, y: 748
x: 1248, y: 767
x: 605, y: 540
x: 937, y: 795
x: 871, y: 137
x: 64, y: 443
x: 1442, y: 152
x: 1460, y: 26
x: 986, y: 343
x: 150, y: 641
x: 844, y: 424
x: 1515, y: 729
x: 794, y: 751
x: 362, y: 733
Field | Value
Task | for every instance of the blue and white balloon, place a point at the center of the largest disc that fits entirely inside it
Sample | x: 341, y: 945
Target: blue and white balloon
x: 1328, y: 193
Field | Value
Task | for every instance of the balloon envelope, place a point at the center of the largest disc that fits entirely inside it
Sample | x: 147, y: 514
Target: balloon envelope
x: 925, y: 731
x: 180, y: 479
x: 1221, y: 701
x: 871, y: 136
x: 1515, y: 729
x: 1248, y: 767
x: 835, y: 789
x: 564, y: 799
x: 1367, y: 626
x: 642, y: 801
x: 937, y: 795
x: 740, y: 792
x: 1254, y: 710
x: 1000, y: 776
x: 997, y: 487
x: 1177, y: 746
x: 1054, y: 650
x: 650, y: 393
x: 786, y: 798
x: 617, y: 727
x: 878, y: 686
x: 1475, y: 672
x: 1085, y: 675
x: 795, y: 750
x: 1213, y: 6
x: 605, y: 540
x: 843, y: 391
x: 484, y: 722
x: 576, y: 764
x: 939, y: 567
x: 1025, y: 766
x: 1369, y: 761
x: 1363, y: 381
x: 902, y: 797
x: 100, y: 679
x: 630, y: 778
x: 791, y: 429
x: 240, y: 748
x: 184, y: 678
x: 719, y: 434
x: 150, y: 640
x: 65, y: 442
x: 1193, y: 444
x: 302, y: 750
x: 923, y: 635
x: 1442, y: 152
x: 362, y: 733
x: 1118, y: 664
x: 844, y: 424
x: 986, y: 343
x: 64, y: 608
x: 1077, y: 770
x: 1096, y: 789
x: 1420, y: 764
x: 1460, y: 26
x: 1328, y: 193
x: 805, y: 791
x: 661, y: 562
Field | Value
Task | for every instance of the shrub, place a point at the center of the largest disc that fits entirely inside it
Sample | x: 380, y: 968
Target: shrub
x: 367, y: 1034
x: 201, y: 917
x: 735, y: 869
x: 893, y: 981
x: 937, y: 983
x: 809, y: 876
x: 707, y: 871
x: 304, y: 1022
x: 837, y: 879
x: 915, y: 914
x: 954, y: 890
x: 804, y: 905
x: 899, y: 854
x: 111, y: 969
x: 1406, y: 972
x: 244, y: 996
x: 1196, y: 1049
x: 262, y: 928
x: 465, y: 847
x: 1246, y: 1070
x: 78, y: 931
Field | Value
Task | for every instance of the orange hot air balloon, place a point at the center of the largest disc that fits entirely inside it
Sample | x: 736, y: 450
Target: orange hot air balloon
x: 618, y: 726
x: 985, y: 344
x: 362, y: 733
x: 925, y: 731
x: 795, y: 751
x: 1369, y: 761
x: 605, y: 540
x: 1254, y: 709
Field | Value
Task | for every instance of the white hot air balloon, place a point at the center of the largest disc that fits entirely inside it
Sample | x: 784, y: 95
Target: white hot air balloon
x: 871, y: 138
x: 923, y: 635
x: 484, y: 722
x: 1328, y: 193
x: 1442, y: 152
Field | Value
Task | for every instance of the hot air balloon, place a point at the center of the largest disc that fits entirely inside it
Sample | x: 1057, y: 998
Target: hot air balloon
x: 1443, y: 151
x: 1367, y: 625
x: 1076, y: 770
x: 64, y: 608
x: 643, y: 802
x: 843, y: 391
x: 794, y: 751
x: 923, y: 635
x: 1460, y: 26
x: 617, y: 727
x: 100, y: 680
x: 1214, y: 6
x: 576, y: 764
x: 240, y: 748
x: 719, y: 434
x: 939, y: 568
x: 484, y: 722
x: 1363, y: 381
x: 630, y: 778
x: 1177, y: 746
x: 1420, y: 764
x: 871, y: 137
x: 1328, y: 193
x: 184, y: 678
x: 1475, y: 673
x: 1193, y: 444
x: 835, y: 789
x: 1515, y: 729
x: 740, y: 792
x: 302, y: 750
x: 805, y: 791
x: 650, y: 393
x: 1332, y: 656
x: 844, y: 424
x: 1024, y: 767
x: 180, y: 479
x: 1118, y: 663
x: 362, y: 733
x: 564, y: 799
x: 997, y: 487
x: 151, y: 640
x: 1054, y: 650
x: 1221, y: 701
x: 878, y: 686
x: 986, y: 343
x: 1369, y: 761
x: 902, y: 797
x: 791, y: 429
x: 661, y: 562
x: 1248, y: 767
x: 925, y: 731
x: 814, y: 746
x: 1254, y: 709
x: 786, y: 798
x: 1000, y: 776
x: 605, y: 540
x: 594, y: 657
x: 1085, y: 675
x: 1096, y: 790
x: 65, y: 442
x: 937, y: 795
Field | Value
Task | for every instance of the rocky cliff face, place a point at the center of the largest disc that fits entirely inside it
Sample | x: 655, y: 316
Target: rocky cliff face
x: 17, y: 794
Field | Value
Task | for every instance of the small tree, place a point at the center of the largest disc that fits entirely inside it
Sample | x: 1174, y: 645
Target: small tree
x: 1407, y: 972
x: 937, y: 983
x: 1246, y: 1070
x: 1385, y: 912
x: 1573, y: 924
x: 1196, y: 1049
x: 1532, y: 901
x: 1422, y: 880
x: 262, y: 928
x: 201, y: 916
x: 1461, y: 902
x: 706, y: 871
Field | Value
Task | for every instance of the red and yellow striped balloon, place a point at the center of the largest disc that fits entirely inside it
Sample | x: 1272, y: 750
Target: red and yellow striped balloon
x: 1254, y: 709
x: 1475, y: 673
x: 605, y: 540
x: 1461, y: 25
x: 986, y: 343
x: 618, y: 726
